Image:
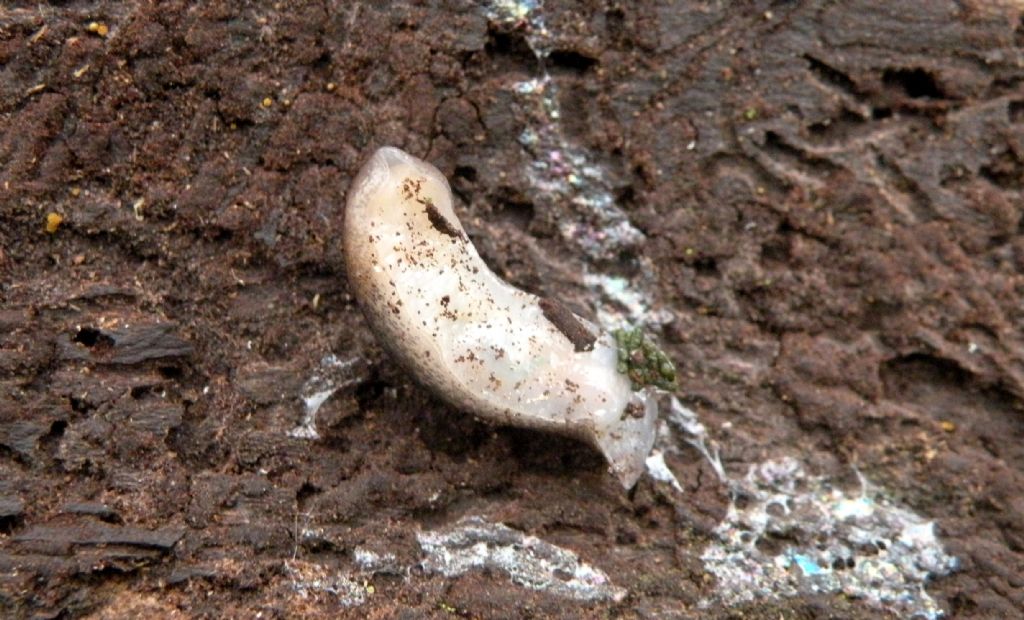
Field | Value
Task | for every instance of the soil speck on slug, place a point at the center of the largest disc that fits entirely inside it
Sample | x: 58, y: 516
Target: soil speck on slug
x: 411, y: 189
x: 439, y: 222
x: 567, y: 323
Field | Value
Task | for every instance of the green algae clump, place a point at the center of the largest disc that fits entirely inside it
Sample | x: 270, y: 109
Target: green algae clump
x: 643, y: 362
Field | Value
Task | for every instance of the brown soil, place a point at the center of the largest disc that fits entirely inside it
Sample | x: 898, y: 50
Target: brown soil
x: 832, y: 198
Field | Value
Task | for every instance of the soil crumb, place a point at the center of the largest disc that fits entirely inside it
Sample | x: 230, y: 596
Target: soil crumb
x: 439, y: 222
x: 566, y: 322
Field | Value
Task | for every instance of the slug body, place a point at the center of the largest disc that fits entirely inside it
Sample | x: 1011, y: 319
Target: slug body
x: 478, y: 342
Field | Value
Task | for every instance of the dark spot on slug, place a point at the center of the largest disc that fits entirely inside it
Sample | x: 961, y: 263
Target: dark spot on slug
x: 634, y: 410
x: 439, y: 222
x: 566, y: 322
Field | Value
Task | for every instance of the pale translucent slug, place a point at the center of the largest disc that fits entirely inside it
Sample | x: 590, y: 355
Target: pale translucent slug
x: 481, y: 344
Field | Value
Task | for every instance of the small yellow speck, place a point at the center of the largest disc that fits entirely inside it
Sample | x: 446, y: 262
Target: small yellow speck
x: 330, y: 87
x: 370, y: 589
x: 53, y: 221
x: 947, y: 426
x: 99, y: 28
x: 267, y: 102
x: 75, y: 192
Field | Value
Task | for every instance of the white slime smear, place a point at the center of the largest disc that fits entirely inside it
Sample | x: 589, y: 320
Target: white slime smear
x: 862, y: 546
x: 473, y: 543
x: 563, y: 172
x: 658, y: 469
x: 315, y: 580
x: 799, y: 534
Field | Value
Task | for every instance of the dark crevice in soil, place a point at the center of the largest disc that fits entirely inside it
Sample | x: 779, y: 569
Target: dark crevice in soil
x: 94, y: 338
x: 830, y: 75
x: 306, y: 492
x: 569, y: 60
x: 80, y: 405
x: 1006, y: 171
x: 469, y: 173
x: 511, y: 51
x: 173, y: 373
x: 900, y: 373
x: 8, y: 524
x: 1016, y: 111
x: 881, y: 113
x: 706, y: 266
x: 914, y: 83
x: 49, y: 444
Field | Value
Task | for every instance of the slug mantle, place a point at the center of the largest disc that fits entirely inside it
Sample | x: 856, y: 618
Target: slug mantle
x: 481, y: 344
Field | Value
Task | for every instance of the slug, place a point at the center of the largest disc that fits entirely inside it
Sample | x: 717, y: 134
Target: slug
x: 481, y: 344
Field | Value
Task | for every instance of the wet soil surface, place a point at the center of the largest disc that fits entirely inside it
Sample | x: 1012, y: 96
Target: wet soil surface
x: 830, y: 202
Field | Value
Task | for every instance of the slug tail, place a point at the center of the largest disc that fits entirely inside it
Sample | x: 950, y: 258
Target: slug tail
x: 626, y: 445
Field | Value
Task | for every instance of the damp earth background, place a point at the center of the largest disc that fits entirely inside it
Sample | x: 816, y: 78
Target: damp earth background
x: 816, y: 205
